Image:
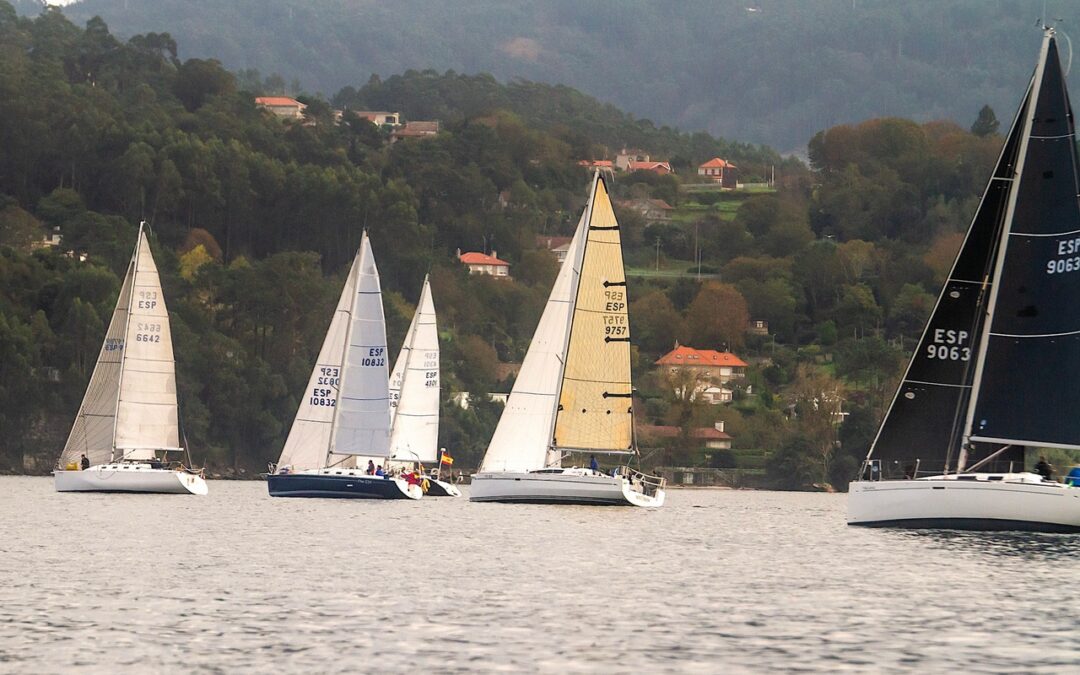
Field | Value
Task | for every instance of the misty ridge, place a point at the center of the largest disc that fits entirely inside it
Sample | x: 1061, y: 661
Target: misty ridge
x: 762, y: 71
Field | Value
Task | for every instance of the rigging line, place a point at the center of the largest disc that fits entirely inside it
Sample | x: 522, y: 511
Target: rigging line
x: 1050, y: 234
x: 1054, y: 138
x: 939, y: 384
x: 1037, y: 335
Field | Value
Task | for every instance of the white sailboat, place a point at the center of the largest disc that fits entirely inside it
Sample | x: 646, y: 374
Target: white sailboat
x: 414, y: 398
x: 128, y: 422
x: 345, y: 412
x: 573, y: 393
x: 994, y: 370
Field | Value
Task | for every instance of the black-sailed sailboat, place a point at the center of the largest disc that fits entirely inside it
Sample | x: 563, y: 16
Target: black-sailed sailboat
x: 994, y: 370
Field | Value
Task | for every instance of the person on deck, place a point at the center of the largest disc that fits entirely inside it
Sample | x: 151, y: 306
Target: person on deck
x: 84, y: 463
x: 370, y: 468
x: 1044, y: 469
x: 379, y: 471
x: 593, y: 464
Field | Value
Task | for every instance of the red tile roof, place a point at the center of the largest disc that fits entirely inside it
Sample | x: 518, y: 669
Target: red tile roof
x: 662, y: 431
x: 650, y: 166
x: 599, y: 163
x: 716, y: 163
x: 552, y: 243
x: 482, y: 259
x: 277, y: 101
x: 688, y: 356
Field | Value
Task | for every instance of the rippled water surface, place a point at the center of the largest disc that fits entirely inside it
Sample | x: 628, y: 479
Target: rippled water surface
x: 238, y: 581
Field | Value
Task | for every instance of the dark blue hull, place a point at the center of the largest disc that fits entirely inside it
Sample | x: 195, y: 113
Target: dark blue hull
x: 334, y: 486
x: 979, y: 524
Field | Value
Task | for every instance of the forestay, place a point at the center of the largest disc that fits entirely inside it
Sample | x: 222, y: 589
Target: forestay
x: 595, y: 409
x: 414, y: 434
x: 92, y: 433
x: 309, y: 438
x: 523, y: 435
x: 362, y: 422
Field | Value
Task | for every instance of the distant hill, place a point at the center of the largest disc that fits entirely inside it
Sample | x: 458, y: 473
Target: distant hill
x: 762, y: 71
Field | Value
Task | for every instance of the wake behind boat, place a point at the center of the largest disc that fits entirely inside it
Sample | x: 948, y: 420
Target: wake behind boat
x: 573, y: 393
x: 128, y: 423
x: 994, y: 371
x: 345, y: 413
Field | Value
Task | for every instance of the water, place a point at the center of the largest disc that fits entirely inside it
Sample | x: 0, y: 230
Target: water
x: 238, y: 581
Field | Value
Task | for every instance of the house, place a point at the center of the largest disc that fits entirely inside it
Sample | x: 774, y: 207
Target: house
x: 714, y: 438
x: 661, y: 168
x: 720, y: 171
x: 557, y: 245
x: 482, y: 263
x: 417, y: 129
x: 462, y: 399
x: 757, y: 327
x: 604, y: 166
x: 50, y: 238
x: 707, y: 365
x: 282, y: 106
x: 652, y: 210
x: 381, y: 118
x: 625, y: 157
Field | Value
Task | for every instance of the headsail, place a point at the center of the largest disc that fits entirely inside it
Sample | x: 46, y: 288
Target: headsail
x: 146, y: 414
x: 1024, y: 382
x: 414, y: 435
x: 362, y: 422
x: 309, y: 438
x: 926, y: 419
x: 523, y: 434
x: 92, y: 433
x: 595, y: 411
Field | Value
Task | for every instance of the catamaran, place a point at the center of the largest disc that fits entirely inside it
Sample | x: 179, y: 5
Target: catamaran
x: 414, y: 399
x: 573, y: 394
x: 128, y: 426
x: 992, y: 371
x: 345, y: 412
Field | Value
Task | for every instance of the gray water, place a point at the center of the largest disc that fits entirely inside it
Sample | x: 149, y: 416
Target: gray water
x: 733, y: 580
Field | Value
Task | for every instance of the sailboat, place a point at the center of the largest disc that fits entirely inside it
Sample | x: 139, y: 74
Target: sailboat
x: 345, y: 411
x: 994, y: 371
x: 414, y: 398
x: 128, y: 422
x: 574, y: 392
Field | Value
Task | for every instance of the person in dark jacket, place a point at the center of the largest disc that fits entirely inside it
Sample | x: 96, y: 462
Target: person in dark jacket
x: 84, y: 463
x: 1045, y: 469
x: 593, y: 464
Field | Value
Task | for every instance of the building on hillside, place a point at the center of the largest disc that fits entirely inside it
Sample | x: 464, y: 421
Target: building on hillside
x: 380, y: 118
x: 50, y: 238
x: 462, y: 399
x: 419, y: 129
x: 482, y: 263
x: 282, y: 106
x: 661, y: 168
x: 757, y: 327
x: 604, y: 166
x: 625, y: 156
x: 720, y: 171
x: 714, y: 437
x: 701, y: 373
x: 652, y: 210
x: 557, y: 245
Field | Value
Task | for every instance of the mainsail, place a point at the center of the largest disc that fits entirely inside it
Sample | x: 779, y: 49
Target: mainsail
x: 309, y: 438
x: 361, y: 424
x: 523, y: 435
x: 1023, y: 391
x: 414, y: 435
x: 595, y: 411
x: 92, y: 433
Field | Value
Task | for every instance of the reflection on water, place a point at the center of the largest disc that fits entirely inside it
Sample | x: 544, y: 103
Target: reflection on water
x: 742, y: 580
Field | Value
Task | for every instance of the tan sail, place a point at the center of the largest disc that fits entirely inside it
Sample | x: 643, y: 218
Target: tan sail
x: 595, y: 406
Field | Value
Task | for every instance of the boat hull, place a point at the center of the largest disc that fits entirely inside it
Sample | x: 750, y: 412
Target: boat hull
x: 440, y: 488
x: 558, y: 488
x: 334, y: 486
x: 1003, y: 503
x: 115, y: 478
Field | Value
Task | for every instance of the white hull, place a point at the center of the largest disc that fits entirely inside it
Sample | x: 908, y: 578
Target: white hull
x: 440, y: 488
x: 129, y: 477
x: 575, y: 487
x: 1019, y: 501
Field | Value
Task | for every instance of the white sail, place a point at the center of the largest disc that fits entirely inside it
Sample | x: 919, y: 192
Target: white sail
x: 92, y: 433
x: 415, y: 423
x: 398, y: 373
x: 523, y: 434
x: 362, y: 420
x: 309, y: 438
x: 146, y: 414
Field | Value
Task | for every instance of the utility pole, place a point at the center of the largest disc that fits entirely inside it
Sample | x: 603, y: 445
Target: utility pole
x: 658, y: 254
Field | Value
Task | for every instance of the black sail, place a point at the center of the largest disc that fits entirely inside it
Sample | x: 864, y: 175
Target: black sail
x: 1027, y: 393
x: 926, y: 419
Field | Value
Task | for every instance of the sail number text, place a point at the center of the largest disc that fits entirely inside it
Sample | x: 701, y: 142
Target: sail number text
x: 323, y: 397
x: 1070, y: 248
x: 615, y: 324
x: 376, y: 357
x: 329, y: 376
x: 948, y: 345
x: 147, y: 300
x: 147, y: 332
